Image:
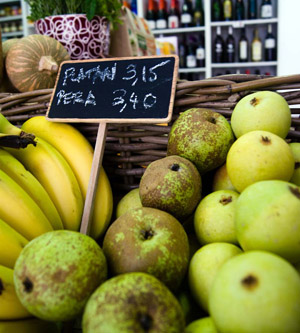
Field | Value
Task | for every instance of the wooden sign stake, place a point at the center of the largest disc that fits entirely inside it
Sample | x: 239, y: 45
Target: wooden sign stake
x: 93, y: 181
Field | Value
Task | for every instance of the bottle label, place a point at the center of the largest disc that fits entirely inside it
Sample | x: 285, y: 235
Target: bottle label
x: 191, y: 61
x: 186, y: 18
x: 266, y: 11
x: 151, y: 24
x: 227, y: 10
x: 270, y: 43
x: 173, y: 22
x: 243, y: 49
x: 230, y: 48
x: 218, y: 48
x: 200, y: 53
x: 161, y: 24
x: 256, y: 51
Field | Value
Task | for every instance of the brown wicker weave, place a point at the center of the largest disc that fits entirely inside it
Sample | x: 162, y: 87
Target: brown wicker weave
x: 129, y: 149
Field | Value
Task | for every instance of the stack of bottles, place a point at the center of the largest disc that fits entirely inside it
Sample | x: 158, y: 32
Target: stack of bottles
x: 226, y: 10
x: 162, y: 14
x: 230, y: 50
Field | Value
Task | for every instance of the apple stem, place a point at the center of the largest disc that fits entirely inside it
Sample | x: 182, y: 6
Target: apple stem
x: 250, y: 282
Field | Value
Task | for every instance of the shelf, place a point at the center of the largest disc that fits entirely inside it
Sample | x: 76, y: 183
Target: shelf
x: 177, y: 30
x: 192, y: 70
x: 241, y: 24
x: 10, y: 18
x: 12, y: 34
x: 9, y: 1
x: 245, y: 64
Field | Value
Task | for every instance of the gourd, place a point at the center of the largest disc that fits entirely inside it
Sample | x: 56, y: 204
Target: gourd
x: 33, y: 62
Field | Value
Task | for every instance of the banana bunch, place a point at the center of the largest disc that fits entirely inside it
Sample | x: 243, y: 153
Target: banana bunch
x: 44, y: 175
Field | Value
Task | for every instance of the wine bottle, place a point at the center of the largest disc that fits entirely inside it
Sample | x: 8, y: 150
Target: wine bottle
x: 186, y: 17
x: 270, y: 45
x: 151, y: 15
x: 218, y: 47
x: 256, y: 47
x: 173, y: 18
x: 198, y: 18
x: 239, y: 10
x: 162, y: 19
x: 200, y: 52
x: 243, y: 46
x: 252, y: 9
x: 217, y: 10
x: 191, y: 61
x: 227, y: 10
x: 266, y: 9
x: 230, y: 46
x: 182, y: 53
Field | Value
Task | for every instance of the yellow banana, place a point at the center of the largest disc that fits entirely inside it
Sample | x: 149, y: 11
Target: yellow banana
x: 30, y: 325
x: 10, y: 306
x: 79, y: 154
x: 20, y: 211
x: 53, y: 172
x: 11, y: 244
x: 15, y: 169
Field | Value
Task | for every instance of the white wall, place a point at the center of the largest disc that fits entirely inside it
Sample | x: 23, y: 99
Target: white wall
x: 288, y: 37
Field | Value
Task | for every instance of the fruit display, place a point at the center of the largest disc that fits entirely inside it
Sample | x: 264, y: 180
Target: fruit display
x: 208, y: 241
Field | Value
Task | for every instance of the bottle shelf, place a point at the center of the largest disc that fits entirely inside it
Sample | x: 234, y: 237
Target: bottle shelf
x: 12, y: 34
x: 243, y: 23
x: 10, y: 18
x: 244, y: 64
x: 192, y: 70
x: 171, y: 31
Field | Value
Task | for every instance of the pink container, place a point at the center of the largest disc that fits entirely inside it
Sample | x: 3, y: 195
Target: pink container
x: 82, y: 38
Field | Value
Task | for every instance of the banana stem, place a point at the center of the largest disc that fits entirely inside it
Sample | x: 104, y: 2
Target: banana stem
x: 17, y: 141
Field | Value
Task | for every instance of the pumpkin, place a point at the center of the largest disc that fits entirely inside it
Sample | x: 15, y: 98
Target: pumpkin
x: 33, y: 62
x: 7, y: 44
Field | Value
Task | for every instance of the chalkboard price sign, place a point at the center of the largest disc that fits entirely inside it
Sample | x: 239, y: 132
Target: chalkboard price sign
x: 135, y: 89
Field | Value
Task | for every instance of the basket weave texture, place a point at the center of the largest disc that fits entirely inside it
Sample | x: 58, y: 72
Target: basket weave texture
x: 130, y: 148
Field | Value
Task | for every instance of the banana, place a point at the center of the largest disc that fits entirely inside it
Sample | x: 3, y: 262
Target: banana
x: 15, y: 169
x: 53, y: 172
x: 79, y: 154
x: 20, y: 211
x: 10, y: 306
x: 11, y: 244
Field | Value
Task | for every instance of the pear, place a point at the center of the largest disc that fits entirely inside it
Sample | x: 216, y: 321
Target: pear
x: 133, y: 302
x: 172, y: 184
x: 57, y: 272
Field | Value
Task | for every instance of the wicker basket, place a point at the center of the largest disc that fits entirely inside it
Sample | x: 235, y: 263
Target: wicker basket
x: 129, y: 149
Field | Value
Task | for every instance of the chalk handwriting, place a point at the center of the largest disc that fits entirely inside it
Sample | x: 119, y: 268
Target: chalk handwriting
x: 75, y: 98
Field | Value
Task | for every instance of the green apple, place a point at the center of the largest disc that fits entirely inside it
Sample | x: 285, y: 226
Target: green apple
x: 202, y: 136
x: 261, y: 110
x: 214, y: 217
x: 202, y: 325
x: 172, y: 184
x: 267, y: 218
x: 221, y: 180
x: 133, y: 302
x: 256, y: 291
x: 148, y: 240
x: 204, y: 266
x: 295, y: 146
x: 259, y: 155
x: 130, y: 200
x: 57, y: 272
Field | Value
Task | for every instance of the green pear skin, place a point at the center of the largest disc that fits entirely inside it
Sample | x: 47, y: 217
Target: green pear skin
x: 202, y: 136
x: 133, y: 302
x: 57, y: 272
x: 148, y: 240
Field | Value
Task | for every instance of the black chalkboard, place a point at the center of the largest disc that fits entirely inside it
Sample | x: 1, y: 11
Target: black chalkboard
x: 135, y: 89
